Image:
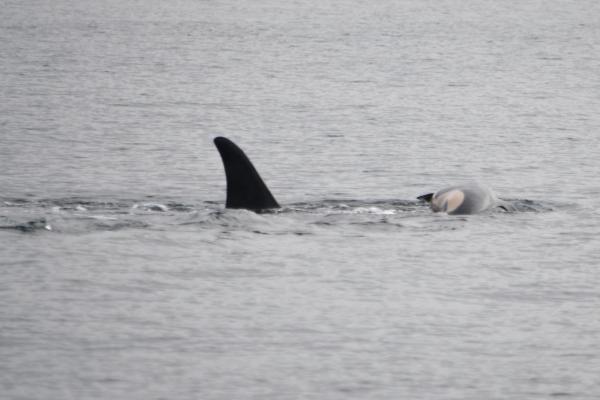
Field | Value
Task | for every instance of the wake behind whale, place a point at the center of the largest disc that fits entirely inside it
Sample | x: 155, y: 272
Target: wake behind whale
x: 245, y: 191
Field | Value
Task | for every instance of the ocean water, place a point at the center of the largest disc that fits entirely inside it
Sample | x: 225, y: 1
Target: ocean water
x: 123, y: 275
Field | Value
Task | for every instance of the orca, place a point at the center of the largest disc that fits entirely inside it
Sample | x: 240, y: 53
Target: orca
x: 247, y: 190
x: 464, y: 199
x: 245, y: 187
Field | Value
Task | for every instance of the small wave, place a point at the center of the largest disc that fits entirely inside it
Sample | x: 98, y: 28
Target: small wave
x: 81, y: 204
x: 119, y: 225
x: 524, y: 205
x: 346, y: 206
x: 150, y: 207
x: 14, y: 202
x: 29, y: 226
x: 68, y: 203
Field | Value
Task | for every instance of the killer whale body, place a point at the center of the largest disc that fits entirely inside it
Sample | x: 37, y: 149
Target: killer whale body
x: 464, y: 199
x: 245, y: 187
x: 247, y: 190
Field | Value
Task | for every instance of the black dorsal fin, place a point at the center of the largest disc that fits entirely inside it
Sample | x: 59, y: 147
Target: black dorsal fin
x: 245, y: 188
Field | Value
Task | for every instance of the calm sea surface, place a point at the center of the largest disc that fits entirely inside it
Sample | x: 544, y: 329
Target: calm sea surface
x: 123, y: 276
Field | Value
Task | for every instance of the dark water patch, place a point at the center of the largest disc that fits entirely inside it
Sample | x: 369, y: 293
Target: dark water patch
x: 298, y: 233
x: 180, y: 207
x: 14, y: 202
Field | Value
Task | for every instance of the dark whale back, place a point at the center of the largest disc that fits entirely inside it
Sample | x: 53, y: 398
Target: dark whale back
x: 245, y: 187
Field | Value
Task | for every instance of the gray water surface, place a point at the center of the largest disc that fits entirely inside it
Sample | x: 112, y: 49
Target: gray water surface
x: 123, y: 276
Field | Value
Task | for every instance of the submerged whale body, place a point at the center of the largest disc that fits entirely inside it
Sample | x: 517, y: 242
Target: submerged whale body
x: 245, y: 187
x: 463, y: 199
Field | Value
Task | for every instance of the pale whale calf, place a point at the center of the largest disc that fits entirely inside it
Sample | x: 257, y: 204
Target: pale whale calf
x: 246, y: 189
x: 470, y: 198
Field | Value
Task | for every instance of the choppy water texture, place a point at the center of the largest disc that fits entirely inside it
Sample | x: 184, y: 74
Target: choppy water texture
x: 124, y: 277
